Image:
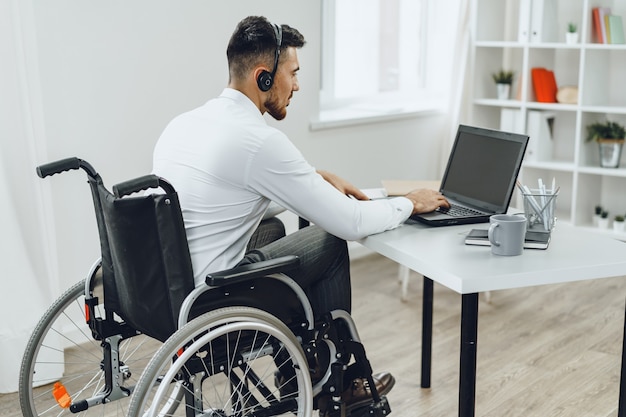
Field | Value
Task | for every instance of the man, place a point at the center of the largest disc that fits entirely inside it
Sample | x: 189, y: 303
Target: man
x: 227, y: 164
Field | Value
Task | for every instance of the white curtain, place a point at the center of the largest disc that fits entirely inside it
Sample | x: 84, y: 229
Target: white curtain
x: 458, y: 105
x: 28, y: 267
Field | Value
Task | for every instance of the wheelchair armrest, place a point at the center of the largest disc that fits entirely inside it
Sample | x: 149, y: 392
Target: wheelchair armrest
x: 253, y: 270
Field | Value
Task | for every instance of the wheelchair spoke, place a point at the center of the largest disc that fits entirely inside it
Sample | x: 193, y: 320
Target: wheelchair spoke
x: 227, y: 369
x: 61, y: 349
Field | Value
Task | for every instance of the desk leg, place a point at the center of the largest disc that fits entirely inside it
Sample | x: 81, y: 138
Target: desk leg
x: 427, y: 331
x: 621, y: 411
x: 469, y: 336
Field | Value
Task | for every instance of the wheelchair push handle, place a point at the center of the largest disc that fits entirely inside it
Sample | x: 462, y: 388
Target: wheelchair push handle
x: 63, y: 165
x: 140, y: 184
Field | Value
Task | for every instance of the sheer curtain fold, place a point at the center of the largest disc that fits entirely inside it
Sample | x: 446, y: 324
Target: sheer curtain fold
x: 29, y: 269
x: 458, y: 106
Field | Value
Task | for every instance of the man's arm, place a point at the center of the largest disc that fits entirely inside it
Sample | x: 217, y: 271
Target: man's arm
x: 423, y: 200
x: 342, y: 185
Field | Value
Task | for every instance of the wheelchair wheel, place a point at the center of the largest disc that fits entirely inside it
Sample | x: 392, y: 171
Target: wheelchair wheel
x: 233, y: 361
x: 63, y: 360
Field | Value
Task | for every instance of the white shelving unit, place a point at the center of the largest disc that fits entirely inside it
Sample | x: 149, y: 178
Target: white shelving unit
x: 597, y: 70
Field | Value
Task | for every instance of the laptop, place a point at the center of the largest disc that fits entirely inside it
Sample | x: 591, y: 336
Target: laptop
x: 480, y: 176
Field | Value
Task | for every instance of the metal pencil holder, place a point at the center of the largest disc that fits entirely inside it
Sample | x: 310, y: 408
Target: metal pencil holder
x: 540, y: 210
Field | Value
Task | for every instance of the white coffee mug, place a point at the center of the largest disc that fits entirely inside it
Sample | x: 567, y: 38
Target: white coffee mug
x: 507, y: 233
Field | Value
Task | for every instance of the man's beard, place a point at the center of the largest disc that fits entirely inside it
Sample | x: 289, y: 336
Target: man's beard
x: 275, y: 110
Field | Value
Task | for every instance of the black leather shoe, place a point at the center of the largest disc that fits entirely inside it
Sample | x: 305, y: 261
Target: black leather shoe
x: 359, y: 393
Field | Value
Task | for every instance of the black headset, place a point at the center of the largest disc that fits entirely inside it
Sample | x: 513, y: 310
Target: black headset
x: 266, y: 79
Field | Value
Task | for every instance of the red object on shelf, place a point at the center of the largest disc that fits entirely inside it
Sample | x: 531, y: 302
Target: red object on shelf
x: 544, y: 85
x: 597, y: 25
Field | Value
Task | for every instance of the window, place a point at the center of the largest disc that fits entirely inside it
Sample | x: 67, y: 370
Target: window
x: 379, y: 58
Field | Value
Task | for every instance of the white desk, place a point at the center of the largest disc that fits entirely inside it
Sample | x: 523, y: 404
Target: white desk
x: 441, y: 256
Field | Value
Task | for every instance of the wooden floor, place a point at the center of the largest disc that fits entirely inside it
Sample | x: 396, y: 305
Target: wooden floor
x: 543, y: 351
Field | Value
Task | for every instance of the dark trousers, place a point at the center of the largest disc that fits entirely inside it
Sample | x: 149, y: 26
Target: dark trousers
x: 324, y: 271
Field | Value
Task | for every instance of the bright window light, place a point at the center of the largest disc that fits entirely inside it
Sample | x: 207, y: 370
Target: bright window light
x: 385, y: 56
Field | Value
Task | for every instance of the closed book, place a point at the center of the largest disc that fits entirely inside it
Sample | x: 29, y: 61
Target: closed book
x: 604, y: 11
x: 616, y: 29
x: 533, y: 240
x: 542, y: 17
x: 511, y: 120
x: 544, y: 85
x: 523, y: 24
x: 597, y: 25
x: 540, y: 130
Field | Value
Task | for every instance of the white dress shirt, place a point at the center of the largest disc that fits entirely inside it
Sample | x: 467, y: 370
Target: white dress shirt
x: 227, y: 164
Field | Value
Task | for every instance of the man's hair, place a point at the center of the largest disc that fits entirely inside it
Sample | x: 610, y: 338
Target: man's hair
x: 254, y: 42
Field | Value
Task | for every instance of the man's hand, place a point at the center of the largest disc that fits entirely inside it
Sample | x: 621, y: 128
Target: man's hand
x: 425, y: 200
x: 342, y: 185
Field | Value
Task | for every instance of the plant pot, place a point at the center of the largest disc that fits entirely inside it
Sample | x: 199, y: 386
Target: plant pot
x: 571, y: 38
x: 503, y: 91
x: 603, y: 223
x: 618, y: 226
x: 595, y: 220
x: 610, y: 152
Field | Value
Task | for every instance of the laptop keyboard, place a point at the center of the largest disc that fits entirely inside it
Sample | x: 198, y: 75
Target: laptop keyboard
x: 459, y: 211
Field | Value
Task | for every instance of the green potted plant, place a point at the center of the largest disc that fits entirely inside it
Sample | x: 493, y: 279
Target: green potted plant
x: 610, y: 138
x: 503, y: 80
x: 571, y: 36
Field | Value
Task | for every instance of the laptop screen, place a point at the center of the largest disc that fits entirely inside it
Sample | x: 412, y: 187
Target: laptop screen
x: 483, y: 167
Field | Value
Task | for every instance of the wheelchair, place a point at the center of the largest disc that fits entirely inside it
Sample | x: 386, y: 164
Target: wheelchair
x: 148, y: 343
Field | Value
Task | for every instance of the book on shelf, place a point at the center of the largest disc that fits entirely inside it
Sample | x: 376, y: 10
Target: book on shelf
x: 511, y: 120
x: 523, y: 25
x: 615, y: 29
x: 543, y: 14
x: 544, y: 85
x: 600, y: 25
x: 536, y: 21
x: 540, y: 127
x: 597, y: 25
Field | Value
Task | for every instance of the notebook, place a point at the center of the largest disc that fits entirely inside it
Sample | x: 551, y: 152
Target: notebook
x: 533, y: 240
x: 480, y: 176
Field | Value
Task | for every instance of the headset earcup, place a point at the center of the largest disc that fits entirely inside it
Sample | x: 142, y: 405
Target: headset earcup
x: 265, y: 81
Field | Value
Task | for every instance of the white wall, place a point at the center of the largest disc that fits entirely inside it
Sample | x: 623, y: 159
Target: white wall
x: 114, y: 73
x: 105, y: 78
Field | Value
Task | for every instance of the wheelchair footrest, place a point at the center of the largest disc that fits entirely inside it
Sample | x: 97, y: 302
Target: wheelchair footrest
x: 375, y: 409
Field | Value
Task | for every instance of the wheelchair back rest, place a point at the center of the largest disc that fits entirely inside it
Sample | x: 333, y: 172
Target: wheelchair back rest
x: 150, y: 260
x: 111, y: 300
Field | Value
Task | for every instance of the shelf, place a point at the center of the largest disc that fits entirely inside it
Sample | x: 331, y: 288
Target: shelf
x: 551, y: 165
x: 554, y: 45
x: 604, y: 109
x: 551, y: 106
x: 607, y: 172
x: 558, y: 146
x: 498, y: 44
x: 605, y: 46
x: 498, y: 103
